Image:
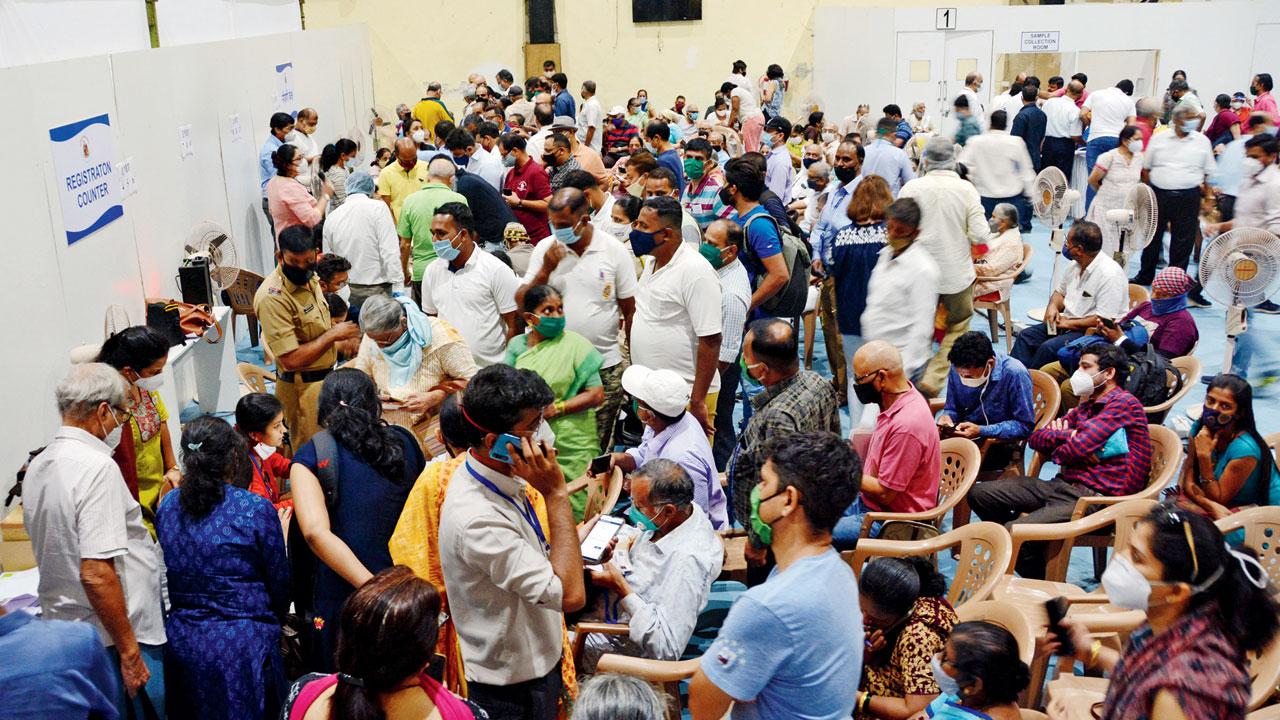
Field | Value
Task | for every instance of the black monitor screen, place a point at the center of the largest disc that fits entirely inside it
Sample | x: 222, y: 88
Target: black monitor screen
x: 665, y: 10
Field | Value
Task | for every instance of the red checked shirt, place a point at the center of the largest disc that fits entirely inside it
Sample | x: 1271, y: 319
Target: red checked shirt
x: 1091, y: 424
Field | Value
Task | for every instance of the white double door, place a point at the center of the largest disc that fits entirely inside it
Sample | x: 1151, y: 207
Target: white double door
x: 931, y: 67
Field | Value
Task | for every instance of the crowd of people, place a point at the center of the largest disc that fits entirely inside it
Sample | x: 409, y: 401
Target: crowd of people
x: 529, y: 289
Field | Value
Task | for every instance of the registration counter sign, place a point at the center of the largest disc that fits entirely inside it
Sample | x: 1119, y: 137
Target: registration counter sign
x: 83, y: 162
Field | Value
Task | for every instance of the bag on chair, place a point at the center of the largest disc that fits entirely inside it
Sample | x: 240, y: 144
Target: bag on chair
x: 191, y: 320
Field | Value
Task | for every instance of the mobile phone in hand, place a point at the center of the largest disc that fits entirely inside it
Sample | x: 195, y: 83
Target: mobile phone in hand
x: 596, y: 543
x: 600, y: 464
x: 1111, y: 324
x: 1056, y: 610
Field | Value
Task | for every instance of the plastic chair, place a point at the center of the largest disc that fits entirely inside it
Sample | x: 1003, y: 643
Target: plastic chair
x: 1006, y: 616
x: 240, y: 298
x: 1261, y: 527
x: 601, y: 497
x: 1189, y: 368
x: 254, y: 377
x: 667, y: 674
x: 1270, y: 712
x: 1273, y: 442
x: 1137, y: 295
x: 960, y: 462
x: 985, y: 552
x: 1001, y: 307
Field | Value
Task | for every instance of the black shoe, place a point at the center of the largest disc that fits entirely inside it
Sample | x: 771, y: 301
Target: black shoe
x: 1195, y: 299
x: 1023, y: 277
x: 1141, y: 280
x: 1268, y: 307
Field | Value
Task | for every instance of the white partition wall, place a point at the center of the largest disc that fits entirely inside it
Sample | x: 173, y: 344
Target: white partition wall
x: 194, y: 21
x: 34, y: 31
x: 55, y: 294
x: 1232, y: 40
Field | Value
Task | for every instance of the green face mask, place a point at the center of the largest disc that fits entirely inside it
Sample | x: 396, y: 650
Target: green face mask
x: 746, y: 373
x: 641, y: 520
x: 712, y: 254
x: 762, y: 529
x: 551, y: 327
x: 694, y: 168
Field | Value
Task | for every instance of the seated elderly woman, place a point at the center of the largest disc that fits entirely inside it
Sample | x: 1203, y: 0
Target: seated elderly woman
x: 1003, y: 254
x: 415, y: 360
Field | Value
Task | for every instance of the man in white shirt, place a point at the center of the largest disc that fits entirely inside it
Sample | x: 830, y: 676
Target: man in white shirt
x: 1177, y: 165
x: 590, y: 117
x: 1091, y: 288
x: 662, y: 182
x: 972, y: 85
x: 363, y: 232
x: 1000, y: 167
x: 887, y: 160
x: 471, y: 289
x: 512, y: 577
x: 1062, y: 131
x: 462, y: 146
x: 597, y: 279
x: 302, y: 138
x: 677, y: 324
x: 1010, y: 101
x: 1106, y: 112
x: 902, y: 295
x: 723, y: 241
x: 98, y: 563
x: 660, y: 574
x: 952, y: 226
x: 543, y: 119
x: 920, y: 122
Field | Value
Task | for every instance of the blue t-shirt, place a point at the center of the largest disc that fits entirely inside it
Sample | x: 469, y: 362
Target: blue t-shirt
x: 762, y: 236
x: 671, y: 161
x: 792, y: 647
x: 62, y: 670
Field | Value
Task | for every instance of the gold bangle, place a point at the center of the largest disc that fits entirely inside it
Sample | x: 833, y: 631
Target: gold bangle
x: 559, y: 407
x: 1094, y: 649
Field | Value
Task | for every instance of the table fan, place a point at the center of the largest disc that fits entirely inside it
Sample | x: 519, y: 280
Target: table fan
x: 1135, y: 223
x: 1240, y: 269
x: 209, y: 242
x: 1051, y: 201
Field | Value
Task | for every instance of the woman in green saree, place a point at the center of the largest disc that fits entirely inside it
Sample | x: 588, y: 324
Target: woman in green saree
x: 571, y: 366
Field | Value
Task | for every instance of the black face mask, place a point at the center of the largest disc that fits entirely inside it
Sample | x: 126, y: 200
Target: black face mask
x: 845, y: 174
x: 867, y: 393
x: 297, y: 275
x: 726, y: 197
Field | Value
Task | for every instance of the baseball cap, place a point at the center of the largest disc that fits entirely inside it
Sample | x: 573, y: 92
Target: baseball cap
x: 617, y: 110
x: 564, y: 122
x: 779, y: 124
x: 663, y: 390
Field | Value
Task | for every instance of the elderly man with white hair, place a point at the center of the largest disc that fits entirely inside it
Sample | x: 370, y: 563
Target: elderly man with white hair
x: 661, y: 571
x: 98, y: 563
x: 363, y: 232
x: 953, y: 229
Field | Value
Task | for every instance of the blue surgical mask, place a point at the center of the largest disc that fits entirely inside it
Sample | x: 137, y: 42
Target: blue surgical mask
x: 693, y: 116
x: 445, y: 248
x: 947, y: 684
x: 1190, y: 126
x: 565, y: 235
x: 767, y: 140
x: 1067, y: 254
x: 1164, y: 306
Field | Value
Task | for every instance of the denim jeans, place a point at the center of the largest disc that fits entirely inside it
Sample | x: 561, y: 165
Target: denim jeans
x: 1035, y: 348
x: 1092, y: 152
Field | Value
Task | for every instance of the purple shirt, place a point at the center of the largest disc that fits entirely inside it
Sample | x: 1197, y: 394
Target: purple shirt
x: 778, y: 175
x: 1176, y: 333
x: 685, y: 444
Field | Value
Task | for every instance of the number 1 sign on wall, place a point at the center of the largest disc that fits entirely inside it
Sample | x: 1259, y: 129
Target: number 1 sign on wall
x: 945, y: 19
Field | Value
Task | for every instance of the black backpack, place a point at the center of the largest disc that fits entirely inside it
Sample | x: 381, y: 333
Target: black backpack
x: 300, y: 640
x: 1149, y: 377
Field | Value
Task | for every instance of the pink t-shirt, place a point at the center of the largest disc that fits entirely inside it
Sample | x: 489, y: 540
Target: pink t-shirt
x: 291, y: 204
x: 904, y: 455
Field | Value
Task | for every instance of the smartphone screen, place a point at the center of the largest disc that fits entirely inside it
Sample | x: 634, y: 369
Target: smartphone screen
x: 600, y: 464
x: 597, y: 541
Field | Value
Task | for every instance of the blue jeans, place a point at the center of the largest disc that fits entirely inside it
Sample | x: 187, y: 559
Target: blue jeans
x: 845, y: 534
x: 1035, y: 348
x: 153, y: 656
x: 1092, y: 152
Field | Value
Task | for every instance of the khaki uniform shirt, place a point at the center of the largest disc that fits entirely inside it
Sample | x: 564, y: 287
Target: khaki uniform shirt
x: 292, y: 315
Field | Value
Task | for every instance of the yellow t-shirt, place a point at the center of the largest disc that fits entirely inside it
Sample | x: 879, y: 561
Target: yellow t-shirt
x: 430, y: 111
x: 396, y: 183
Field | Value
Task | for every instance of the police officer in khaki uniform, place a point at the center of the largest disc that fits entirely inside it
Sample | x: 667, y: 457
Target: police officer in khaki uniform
x: 298, y: 331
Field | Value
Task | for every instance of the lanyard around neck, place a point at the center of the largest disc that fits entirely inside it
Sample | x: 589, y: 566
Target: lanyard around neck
x: 526, y: 510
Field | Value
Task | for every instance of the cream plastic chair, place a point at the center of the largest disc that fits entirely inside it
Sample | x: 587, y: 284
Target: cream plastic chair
x: 1006, y: 616
x: 1137, y: 295
x: 985, y: 551
x: 666, y: 674
x: 602, y: 492
x: 1261, y: 527
x: 254, y: 377
x: 996, y: 309
x: 960, y: 462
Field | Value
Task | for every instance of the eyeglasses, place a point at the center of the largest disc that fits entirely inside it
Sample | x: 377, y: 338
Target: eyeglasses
x: 857, y: 379
x: 1171, y: 516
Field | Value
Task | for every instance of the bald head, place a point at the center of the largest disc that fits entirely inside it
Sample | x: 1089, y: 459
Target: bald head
x: 1075, y: 88
x: 441, y: 170
x: 772, y: 342
x: 406, y: 150
x: 308, y: 114
x: 875, y: 356
x: 568, y: 198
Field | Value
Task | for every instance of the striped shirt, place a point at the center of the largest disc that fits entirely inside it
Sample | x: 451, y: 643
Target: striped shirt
x: 702, y: 199
x: 1089, y: 426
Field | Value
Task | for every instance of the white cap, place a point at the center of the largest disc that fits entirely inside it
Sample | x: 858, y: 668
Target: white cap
x: 617, y: 110
x: 663, y: 390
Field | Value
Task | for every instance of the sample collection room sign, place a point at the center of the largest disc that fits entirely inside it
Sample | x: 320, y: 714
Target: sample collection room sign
x: 83, y: 162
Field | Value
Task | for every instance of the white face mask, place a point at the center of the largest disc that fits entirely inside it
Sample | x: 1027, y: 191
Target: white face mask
x: 1128, y: 588
x: 1082, y: 383
x: 419, y: 136
x: 344, y: 292
x: 113, y: 437
x: 150, y: 384
x: 1252, y: 166
x: 975, y: 382
x: 264, y: 450
x: 545, y: 433
x: 947, y: 684
x: 1135, y: 146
